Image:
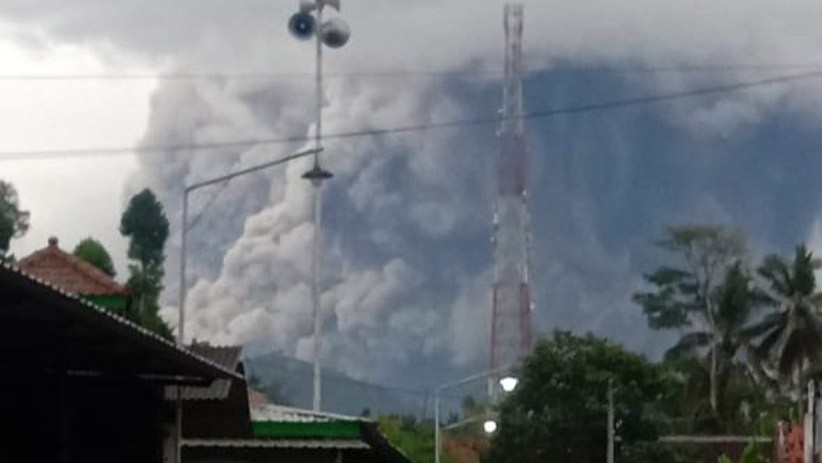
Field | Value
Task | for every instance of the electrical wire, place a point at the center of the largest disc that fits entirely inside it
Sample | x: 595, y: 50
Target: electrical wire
x: 542, y: 114
x: 271, y: 76
x: 267, y: 76
x: 193, y: 222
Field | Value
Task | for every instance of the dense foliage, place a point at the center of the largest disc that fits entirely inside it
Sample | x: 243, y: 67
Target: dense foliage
x: 750, y: 337
x: 14, y: 222
x: 558, y: 413
x: 144, y: 222
x: 93, y: 252
x: 690, y: 294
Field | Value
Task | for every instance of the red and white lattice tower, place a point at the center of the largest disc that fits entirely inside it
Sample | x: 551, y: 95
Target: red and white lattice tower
x: 511, y: 313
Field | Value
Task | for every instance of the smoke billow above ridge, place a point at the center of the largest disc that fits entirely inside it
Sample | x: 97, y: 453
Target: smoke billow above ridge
x: 407, y: 217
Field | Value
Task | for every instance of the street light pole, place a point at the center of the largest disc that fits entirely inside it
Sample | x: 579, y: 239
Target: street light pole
x: 178, y: 458
x: 334, y: 33
x: 316, y: 176
x: 459, y: 382
x: 181, y: 316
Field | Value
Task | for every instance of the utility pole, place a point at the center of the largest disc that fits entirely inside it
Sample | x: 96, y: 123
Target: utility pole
x: 611, y: 431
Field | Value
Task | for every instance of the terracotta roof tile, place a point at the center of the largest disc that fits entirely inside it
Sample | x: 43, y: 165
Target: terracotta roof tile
x: 69, y: 273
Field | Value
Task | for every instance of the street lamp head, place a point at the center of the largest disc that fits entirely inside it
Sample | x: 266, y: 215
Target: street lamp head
x: 302, y: 25
x: 317, y: 174
x: 508, y: 383
x: 489, y: 426
x: 335, y: 33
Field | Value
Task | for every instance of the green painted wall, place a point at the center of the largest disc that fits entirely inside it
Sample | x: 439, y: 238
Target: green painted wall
x: 116, y: 304
x: 329, y: 430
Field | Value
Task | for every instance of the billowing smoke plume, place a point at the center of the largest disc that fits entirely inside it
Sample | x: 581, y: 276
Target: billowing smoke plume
x: 407, y: 217
x: 394, y: 208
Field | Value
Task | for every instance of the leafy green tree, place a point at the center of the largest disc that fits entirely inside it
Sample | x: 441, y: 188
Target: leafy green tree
x: 14, y: 222
x: 688, y: 295
x: 144, y: 222
x: 93, y: 252
x: 792, y: 332
x: 559, y: 410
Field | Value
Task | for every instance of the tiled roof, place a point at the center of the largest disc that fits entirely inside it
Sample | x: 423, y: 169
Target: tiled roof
x: 227, y: 357
x: 69, y: 273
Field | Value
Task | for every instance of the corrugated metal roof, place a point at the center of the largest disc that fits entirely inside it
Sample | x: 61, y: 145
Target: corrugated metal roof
x: 105, y: 314
x: 279, y: 444
x: 283, y: 414
x: 226, y: 356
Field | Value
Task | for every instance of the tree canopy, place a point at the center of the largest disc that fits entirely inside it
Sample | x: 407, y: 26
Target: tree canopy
x: 705, y: 293
x: 93, y: 252
x: 559, y: 410
x: 14, y: 222
x: 748, y: 339
x: 144, y: 222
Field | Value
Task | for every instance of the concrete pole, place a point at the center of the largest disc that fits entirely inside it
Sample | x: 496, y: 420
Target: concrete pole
x: 315, y: 257
x: 178, y: 456
x: 437, y: 445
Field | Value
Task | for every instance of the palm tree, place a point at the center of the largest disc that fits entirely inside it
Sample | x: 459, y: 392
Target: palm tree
x: 791, y: 335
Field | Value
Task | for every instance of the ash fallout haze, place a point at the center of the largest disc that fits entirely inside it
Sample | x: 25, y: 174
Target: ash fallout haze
x: 407, y: 218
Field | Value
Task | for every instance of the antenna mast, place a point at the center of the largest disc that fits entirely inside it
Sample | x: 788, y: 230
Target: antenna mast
x: 511, y: 312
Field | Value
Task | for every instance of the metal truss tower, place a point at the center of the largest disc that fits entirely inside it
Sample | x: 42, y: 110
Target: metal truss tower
x: 511, y: 316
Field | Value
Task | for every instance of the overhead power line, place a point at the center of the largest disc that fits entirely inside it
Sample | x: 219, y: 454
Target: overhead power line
x: 270, y: 76
x: 237, y: 75
x: 541, y: 114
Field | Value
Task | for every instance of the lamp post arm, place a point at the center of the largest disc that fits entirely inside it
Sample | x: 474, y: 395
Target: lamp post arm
x: 441, y: 387
x: 475, y: 377
x: 462, y: 423
x: 265, y: 165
